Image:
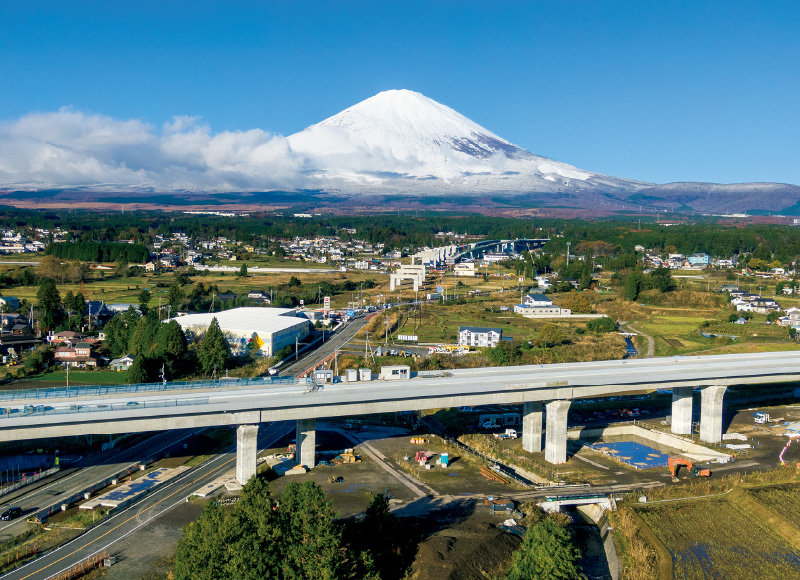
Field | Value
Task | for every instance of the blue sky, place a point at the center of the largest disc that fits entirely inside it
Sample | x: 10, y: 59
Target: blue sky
x: 656, y: 91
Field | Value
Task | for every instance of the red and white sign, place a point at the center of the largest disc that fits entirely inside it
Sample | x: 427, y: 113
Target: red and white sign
x: 327, y: 304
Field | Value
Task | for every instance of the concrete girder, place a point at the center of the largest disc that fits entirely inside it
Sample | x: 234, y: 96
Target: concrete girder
x: 246, y: 452
x: 555, y: 449
x: 532, y: 426
x: 306, y: 454
x: 682, y: 410
x: 711, y: 414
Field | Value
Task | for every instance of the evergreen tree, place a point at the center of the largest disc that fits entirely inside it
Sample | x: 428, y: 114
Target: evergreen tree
x: 49, y: 301
x: 175, y: 295
x: 312, y: 541
x: 631, y: 290
x: 547, y: 553
x: 144, y: 300
x: 138, y: 371
x: 243, y: 271
x: 214, y: 350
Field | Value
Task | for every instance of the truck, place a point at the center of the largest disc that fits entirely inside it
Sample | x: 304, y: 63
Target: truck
x: 507, y: 434
x: 761, y: 418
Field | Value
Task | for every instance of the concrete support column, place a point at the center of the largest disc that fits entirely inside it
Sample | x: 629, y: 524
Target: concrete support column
x: 246, y: 452
x: 711, y: 414
x: 306, y: 442
x: 682, y: 410
x: 532, y: 426
x: 555, y: 450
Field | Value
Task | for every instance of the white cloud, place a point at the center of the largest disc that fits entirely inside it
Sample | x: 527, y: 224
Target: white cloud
x: 70, y: 148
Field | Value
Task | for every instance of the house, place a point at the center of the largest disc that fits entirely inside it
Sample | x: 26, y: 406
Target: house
x: 778, y: 271
x: 728, y: 288
x: 150, y: 267
x: 539, y: 300
x: 759, y: 305
x: 464, y: 269
x: 122, y: 363
x: 788, y: 290
x: 98, y: 312
x: 80, y: 355
x: 478, y: 336
x: 66, y: 337
x: 259, y: 296
x: 698, y: 259
x: 792, y: 318
x: 9, y: 303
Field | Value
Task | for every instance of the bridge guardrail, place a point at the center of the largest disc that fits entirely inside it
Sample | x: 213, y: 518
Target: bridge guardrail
x: 42, y: 410
x: 101, y: 390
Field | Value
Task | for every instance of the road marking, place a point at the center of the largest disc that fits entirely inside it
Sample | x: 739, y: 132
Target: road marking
x: 216, y: 469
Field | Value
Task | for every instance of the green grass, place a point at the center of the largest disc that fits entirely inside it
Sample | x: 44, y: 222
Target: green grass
x: 78, y: 378
x: 783, y: 499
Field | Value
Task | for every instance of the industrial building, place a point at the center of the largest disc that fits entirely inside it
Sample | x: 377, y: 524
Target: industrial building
x: 271, y: 328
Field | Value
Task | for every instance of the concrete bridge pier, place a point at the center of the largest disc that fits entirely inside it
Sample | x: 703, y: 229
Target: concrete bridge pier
x: 682, y: 410
x: 555, y: 449
x: 306, y: 435
x: 246, y: 452
x: 532, y: 426
x: 711, y: 414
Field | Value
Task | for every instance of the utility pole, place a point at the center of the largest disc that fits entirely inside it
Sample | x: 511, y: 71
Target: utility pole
x: 296, y: 355
x: 568, y: 245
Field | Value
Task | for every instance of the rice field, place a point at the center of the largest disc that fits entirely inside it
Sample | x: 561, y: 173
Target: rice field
x: 717, y: 539
x: 783, y: 499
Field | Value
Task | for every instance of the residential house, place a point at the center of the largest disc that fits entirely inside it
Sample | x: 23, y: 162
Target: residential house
x: 792, y: 318
x: 68, y: 337
x: 80, y: 355
x: 98, y: 312
x: 478, y: 336
x: 540, y: 306
x: 9, y: 303
x: 122, y: 363
x: 464, y: 269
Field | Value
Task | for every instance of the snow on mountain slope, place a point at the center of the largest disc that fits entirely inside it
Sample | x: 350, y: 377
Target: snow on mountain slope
x: 401, y: 139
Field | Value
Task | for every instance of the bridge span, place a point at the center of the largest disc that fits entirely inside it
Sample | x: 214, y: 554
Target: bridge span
x: 546, y: 391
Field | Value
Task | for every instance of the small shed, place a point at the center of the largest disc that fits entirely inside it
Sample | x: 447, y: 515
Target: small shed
x: 396, y: 372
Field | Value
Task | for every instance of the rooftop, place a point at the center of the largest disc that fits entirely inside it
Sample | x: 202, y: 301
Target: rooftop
x: 246, y: 320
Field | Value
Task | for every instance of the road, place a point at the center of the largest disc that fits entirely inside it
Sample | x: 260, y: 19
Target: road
x: 112, y: 530
x: 338, y: 340
x: 83, y: 474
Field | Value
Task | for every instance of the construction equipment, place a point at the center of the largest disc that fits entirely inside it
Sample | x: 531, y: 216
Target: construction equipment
x: 675, y: 464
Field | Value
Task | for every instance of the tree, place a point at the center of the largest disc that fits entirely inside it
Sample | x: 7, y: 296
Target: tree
x: 214, y: 351
x: 49, y: 301
x: 604, y: 324
x: 733, y: 317
x: 773, y: 316
x: 138, y: 372
x: 175, y: 295
x: 243, y: 271
x: 550, y: 335
x: 547, y: 553
x: 294, y: 281
x: 631, y: 289
x: 144, y: 300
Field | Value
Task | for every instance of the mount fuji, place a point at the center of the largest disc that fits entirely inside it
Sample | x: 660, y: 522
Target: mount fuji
x: 402, y: 141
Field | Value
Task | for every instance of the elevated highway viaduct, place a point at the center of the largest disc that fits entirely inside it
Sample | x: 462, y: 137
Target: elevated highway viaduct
x: 541, y: 388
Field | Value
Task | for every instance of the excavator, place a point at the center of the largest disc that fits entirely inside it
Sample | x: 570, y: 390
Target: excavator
x: 675, y: 464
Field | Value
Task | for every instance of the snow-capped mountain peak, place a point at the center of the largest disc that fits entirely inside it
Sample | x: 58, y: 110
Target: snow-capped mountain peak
x: 400, y: 138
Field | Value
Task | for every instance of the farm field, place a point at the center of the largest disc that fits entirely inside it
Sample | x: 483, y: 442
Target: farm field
x: 783, y: 499
x: 717, y: 539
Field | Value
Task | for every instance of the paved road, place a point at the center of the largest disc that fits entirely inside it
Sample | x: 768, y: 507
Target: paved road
x: 338, y: 340
x: 72, y: 480
x: 109, y: 532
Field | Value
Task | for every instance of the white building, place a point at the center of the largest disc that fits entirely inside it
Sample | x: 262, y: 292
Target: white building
x: 271, y: 328
x: 478, y: 336
x: 540, y: 306
x: 464, y: 269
